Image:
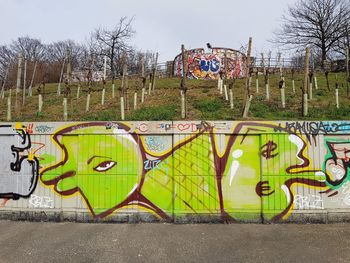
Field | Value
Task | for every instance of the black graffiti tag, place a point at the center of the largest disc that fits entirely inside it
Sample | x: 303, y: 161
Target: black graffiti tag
x: 268, y: 149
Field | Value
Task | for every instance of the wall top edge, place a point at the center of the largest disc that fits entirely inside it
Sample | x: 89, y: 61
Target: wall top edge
x: 182, y: 127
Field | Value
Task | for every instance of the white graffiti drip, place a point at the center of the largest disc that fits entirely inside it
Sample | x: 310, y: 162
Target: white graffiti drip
x: 235, y: 164
x: 299, y: 143
x: 287, y: 192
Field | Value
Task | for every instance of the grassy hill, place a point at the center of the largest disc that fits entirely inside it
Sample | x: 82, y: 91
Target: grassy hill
x: 203, y: 102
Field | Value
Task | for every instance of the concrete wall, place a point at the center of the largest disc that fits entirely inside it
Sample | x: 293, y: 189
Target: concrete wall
x: 176, y: 171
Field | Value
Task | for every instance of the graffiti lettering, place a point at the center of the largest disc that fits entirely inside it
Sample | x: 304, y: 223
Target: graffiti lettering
x: 155, y: 143
x: 40, y: 202
x: 315, y: 128
x: 43, y: 129
x: 308, y: 202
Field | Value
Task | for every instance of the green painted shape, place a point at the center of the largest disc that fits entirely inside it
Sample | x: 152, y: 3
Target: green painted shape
x: 189, y: 182
x: 241, y: 175
x: 103, y: 190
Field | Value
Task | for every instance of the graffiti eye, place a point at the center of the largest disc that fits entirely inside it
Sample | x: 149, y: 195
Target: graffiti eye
x: 104, y: 166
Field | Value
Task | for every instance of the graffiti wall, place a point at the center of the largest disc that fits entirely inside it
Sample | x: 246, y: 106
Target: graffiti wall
x: 230, y: 171
x: 203, y: 65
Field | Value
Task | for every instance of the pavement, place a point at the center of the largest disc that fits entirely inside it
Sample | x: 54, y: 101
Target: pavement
x: 84, y: 242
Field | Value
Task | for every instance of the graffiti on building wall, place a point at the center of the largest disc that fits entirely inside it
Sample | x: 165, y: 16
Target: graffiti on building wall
x: 194, y: 175
x: 203, y: 65
x: 18, y: 166
x: 233, y: 170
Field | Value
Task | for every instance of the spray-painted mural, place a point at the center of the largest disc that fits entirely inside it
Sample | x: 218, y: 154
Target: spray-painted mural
x: 203, y: 65
x: 18, y: 166
x: 235, y: 171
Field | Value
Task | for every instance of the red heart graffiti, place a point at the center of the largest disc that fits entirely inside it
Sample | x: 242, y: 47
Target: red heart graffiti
x: 183, y: 127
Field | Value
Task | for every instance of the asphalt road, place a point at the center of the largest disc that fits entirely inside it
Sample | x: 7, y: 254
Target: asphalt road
x: 79, y: 242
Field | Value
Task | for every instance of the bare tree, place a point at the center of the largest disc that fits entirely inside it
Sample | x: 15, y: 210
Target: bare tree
x: 113, y: 43
x: 31, y: 48
x: 343, y: 44
x: 318, y: 23
x: 6, y: 56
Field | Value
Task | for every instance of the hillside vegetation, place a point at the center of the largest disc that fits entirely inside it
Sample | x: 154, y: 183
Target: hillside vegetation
x: 203, y: 102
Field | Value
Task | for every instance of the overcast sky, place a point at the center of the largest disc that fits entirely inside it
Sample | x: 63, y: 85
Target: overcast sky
x: 161, y: 25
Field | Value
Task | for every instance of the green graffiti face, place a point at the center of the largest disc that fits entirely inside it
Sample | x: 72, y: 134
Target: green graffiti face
x: 260, y: 172
x: 104, y: 167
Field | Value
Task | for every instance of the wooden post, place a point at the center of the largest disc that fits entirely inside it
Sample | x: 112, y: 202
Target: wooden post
x: 103, y: 95
x: 61, y: 78
x: 8, y: 108
x: 327, y: 80
x: 293, y: 82
x: 154, y: 73
x: 150, y: 85
x: 225, y: 91
x: 104, y: 82
x: 315, y: 81
x: 143, y: 66
x: 135, y: 100
x: 143, y: 89
x: 78, y: 91
x: 183, y: 86
x: 230, y: 87
x: 263, y: 63
x: 246, y: 109
x: 282, y: 90
x: 30, y: 89
x: 67, y: 88
x: 16, y: 102
x: 24, y: 81
x: 267, y: 84
x: 183, y: 105
x: 122, y: 107
x: 87, y: 108
x: 69, y: 67
x: 65, y: 110
x: 19, y: 73
x: 311, y: 74
x: 40, y: 103
x: 105, y: 67
x: 248, y: 96
x: 337, y: 96
x: 305, y: 86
